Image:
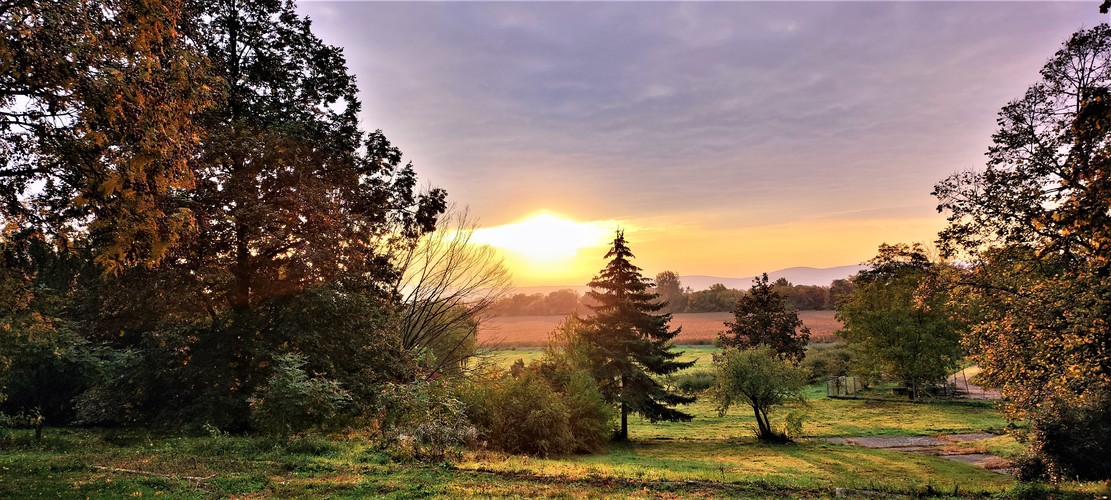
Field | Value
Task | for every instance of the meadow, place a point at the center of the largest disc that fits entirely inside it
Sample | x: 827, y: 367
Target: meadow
x: 712, y: 456
x: 697, y: 328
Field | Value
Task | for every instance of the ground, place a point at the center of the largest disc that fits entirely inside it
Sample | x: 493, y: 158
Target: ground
x: 851, y: 448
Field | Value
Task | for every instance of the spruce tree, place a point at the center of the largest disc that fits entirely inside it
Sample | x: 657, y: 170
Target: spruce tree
x: 629, y: 341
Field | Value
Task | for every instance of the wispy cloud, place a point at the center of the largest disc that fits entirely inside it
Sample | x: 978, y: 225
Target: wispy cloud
x: 762, y: 113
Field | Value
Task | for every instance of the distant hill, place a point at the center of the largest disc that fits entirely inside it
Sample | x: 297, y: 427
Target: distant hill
x: 796, y: 275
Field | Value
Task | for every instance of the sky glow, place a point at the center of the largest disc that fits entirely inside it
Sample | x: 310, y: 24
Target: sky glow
x: 730, y: 138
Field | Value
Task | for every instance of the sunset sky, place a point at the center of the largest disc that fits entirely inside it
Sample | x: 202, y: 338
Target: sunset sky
x: 726, y: 138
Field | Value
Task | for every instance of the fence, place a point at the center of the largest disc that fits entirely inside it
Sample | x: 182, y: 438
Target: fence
x: 843, y: 386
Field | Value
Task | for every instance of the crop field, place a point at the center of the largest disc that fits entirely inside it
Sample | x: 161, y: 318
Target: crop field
x: 698, y: 328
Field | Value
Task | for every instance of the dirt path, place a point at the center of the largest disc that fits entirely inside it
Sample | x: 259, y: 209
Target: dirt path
x: 947, y: 446
x: 971, y: 391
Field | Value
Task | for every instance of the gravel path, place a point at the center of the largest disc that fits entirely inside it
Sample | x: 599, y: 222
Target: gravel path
x: 941, y: 446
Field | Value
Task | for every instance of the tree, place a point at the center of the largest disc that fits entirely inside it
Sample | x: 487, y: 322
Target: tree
x: 717, y: 298
x: 629, y: 341
x: 1035, y: 228
x: 560, y: 302
x: 99, y: 108
x: 210, y: 157
x: 898, y: 322
x: 448, y: 285
x: 761, y: 316
x: 839, y: 289
x: 761, y: 378
x: 671, y: 292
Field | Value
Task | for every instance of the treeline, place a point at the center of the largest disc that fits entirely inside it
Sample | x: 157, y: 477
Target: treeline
x: 680, y: 299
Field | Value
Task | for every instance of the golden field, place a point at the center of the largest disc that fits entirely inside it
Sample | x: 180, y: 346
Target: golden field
x: 698, y: 328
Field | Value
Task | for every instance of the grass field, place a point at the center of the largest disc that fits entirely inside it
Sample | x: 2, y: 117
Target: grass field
x: 712, y: 456
x: 526, y: 331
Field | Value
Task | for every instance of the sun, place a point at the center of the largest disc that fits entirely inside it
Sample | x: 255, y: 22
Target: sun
x: 545, y: 237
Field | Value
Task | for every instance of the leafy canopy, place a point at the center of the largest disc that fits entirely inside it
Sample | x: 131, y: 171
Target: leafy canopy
x: 759, y: 377
x: 898, y: 322
x: 761, y: 316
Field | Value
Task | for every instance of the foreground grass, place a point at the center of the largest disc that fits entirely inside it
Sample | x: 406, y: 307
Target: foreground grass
x: 712, y: 456
x: 115, y: 464
x: 808, y: 466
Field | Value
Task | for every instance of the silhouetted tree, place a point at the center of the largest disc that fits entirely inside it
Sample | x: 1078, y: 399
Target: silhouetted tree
x: 1035, y: 227
x: 629, y: 342
x: 761, y: 316
x: 448, y: 285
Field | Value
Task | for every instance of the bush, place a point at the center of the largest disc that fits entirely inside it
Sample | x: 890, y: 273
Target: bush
x: 46, y: 369
x: 822, y: 363
x: 539, y: 410
x: 591, y: 418
x: 424, y: 421
x: 292, y: 402
x: 1065, y: 439
x: 520, y: 415
x: 696, y: 381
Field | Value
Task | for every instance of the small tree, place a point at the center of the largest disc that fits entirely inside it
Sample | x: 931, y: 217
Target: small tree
x: 448, y: 286
x: 759, y: 377
x: 761, y: 316
x: 629, y: 342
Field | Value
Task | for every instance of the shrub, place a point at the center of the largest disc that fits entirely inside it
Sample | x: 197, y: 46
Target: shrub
x: 591, y: 417
x: 292, y: 402
x: 542, y: 409
x: 696, y: 381
x: 520, y: 414
x: 47, y: 367
x: 1064, y: 439
x: 822, y: 363
x: 424, y: 421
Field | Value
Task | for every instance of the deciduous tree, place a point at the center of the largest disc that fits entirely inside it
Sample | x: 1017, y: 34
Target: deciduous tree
x: 761, y: 316
x: 99, y: 108
x: 760, y: 377
x: 898, y: 321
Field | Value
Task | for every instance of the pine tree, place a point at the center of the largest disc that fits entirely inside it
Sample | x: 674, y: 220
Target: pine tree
x: 629, y: 342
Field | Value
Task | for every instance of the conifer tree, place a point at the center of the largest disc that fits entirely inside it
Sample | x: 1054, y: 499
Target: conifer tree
x: 629, y: 342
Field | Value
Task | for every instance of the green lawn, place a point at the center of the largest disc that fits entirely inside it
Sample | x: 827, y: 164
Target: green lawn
x: 711, y: 456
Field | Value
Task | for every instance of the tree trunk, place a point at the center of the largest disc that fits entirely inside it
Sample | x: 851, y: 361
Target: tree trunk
x: 764, y: 430
x: 623, y: 435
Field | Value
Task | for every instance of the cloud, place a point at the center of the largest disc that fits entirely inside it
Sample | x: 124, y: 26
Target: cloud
x: 765, y: 112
